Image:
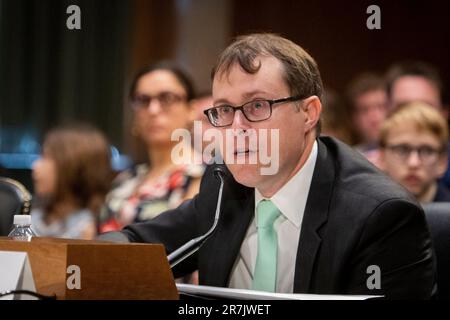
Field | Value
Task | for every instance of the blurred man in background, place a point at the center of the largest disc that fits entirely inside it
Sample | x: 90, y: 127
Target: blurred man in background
x: 368, y: 101
x: 414, y: 81
x: 409, y: 81
x: 414, y: 143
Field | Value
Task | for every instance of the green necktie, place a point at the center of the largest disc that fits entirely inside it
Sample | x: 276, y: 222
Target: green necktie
x: 265, y: 274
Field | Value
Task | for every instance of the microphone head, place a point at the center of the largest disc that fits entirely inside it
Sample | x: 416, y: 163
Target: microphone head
x: 220, y: 171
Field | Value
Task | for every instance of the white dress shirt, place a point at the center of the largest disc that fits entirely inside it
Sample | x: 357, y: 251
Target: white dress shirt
x: 291, y: 201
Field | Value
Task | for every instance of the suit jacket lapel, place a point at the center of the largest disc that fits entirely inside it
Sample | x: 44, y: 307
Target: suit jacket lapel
x: 237, y: 213
x: 315, y: 215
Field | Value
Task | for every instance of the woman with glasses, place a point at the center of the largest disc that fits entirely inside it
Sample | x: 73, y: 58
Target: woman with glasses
x: 413, y: 144
x: 160, y: 98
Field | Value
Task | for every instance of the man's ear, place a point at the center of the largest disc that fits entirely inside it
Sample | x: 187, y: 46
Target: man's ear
x: 312, y: 108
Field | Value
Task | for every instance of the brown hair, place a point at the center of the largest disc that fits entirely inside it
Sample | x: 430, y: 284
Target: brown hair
x: 300, y: 70
x: 83, y: 165
x: 423, y: 116
x: 182, y: 77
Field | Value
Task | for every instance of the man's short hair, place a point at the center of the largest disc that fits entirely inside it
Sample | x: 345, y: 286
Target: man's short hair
x: 422, y: 116
x: 413, y: 68
x: 301, y: 72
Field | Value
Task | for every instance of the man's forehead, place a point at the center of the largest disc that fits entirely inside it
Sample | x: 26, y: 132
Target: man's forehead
x: 270, y: 72
x: 411, y: 132
x: 412, y: 84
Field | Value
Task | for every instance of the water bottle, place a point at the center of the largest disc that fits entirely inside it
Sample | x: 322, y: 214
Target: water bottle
x: 22, y: 228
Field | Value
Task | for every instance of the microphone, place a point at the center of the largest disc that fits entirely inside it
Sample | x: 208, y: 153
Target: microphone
x: 194, y: 245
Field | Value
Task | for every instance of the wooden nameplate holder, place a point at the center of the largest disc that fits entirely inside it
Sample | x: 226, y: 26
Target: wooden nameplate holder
x: 105, y: 270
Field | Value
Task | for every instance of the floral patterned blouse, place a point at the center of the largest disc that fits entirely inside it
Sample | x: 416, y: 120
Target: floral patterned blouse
x: 131, y: 200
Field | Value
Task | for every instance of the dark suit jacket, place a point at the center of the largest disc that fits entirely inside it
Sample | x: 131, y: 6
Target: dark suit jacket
x: 355, y: 217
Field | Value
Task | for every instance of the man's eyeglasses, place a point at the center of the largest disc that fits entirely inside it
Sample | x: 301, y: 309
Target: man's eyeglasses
x: 427, y: 154
x: 165, y: 99
x: 254, y: 111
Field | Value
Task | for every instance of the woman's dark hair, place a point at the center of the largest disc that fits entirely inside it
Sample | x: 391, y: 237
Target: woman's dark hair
x: 176, y: 70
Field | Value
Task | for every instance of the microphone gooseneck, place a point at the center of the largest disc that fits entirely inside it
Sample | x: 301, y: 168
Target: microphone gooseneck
x: 194, y: 245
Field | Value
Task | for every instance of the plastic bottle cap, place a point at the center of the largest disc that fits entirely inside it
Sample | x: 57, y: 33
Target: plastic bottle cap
x: 22, y: 219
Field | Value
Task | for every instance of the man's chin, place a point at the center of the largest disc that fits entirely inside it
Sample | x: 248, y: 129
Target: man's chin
x: 415, y: 190
x: 247, y: 175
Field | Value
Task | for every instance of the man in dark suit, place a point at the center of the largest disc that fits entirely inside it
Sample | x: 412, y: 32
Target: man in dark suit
x: 326, y: 222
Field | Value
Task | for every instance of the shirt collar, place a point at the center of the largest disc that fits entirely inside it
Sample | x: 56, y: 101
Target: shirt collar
x: 296, y: 188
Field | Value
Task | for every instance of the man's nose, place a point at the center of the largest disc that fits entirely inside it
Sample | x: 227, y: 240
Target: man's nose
x: 240, y: 121
x: 375, y: 114
x: 414, y: 158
